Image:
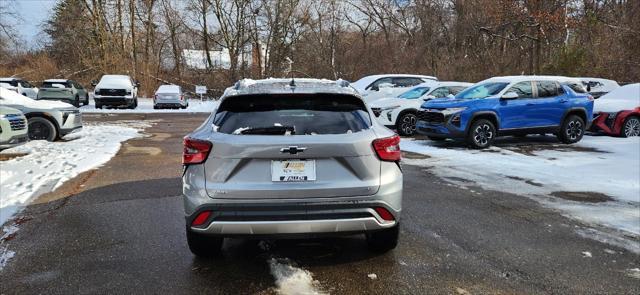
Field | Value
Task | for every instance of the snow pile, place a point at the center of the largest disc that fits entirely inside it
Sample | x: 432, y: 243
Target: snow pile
x: 622, y: 98
x: 145, y: 105
x: 615, y: 172
x: 49, y: 164
x: 293, y: 280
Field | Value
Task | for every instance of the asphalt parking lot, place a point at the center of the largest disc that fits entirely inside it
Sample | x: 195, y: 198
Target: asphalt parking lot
x: 120, y: 229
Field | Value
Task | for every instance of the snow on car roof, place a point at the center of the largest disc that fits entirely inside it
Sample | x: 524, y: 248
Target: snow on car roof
x: 454, y: 83
x: 9, y: 79
x: 56, y: 80
x: 168, y: 89
x: 515, y: 79
x: 363, y: 82
x: 626, y: 97
x: 282, y: 85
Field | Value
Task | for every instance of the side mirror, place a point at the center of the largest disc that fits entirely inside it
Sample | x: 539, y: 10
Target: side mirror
x: 428, y: 97
x: 509, y: 96
x: 374, y: 88
x: 451, y: 95
x: 137, y: 84
x: 589, y: 87
x: 94, y: 83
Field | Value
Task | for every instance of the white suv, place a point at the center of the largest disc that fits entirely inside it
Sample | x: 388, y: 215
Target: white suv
x: 19, y: 86
x: 116, y: 90
x: 388, y: 85
x: 47, y: 120
x: 399, y: 112
x: 13, y: 127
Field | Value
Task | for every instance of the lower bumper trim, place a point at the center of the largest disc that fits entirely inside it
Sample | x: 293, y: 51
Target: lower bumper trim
x: 294, y: 226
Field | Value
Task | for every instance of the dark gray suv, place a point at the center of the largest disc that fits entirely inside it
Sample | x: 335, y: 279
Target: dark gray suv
x: 285, y: 158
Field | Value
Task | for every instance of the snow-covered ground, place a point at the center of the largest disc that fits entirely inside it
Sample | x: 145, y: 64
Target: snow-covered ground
x: 600, y: 164
x: 48, y: 165
x: 145, y: 105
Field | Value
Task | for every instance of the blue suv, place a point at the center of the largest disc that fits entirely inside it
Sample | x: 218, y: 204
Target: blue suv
x: 517, y: 106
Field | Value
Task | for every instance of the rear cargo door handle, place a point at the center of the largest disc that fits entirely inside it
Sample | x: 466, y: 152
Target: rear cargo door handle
x: 563, y: 100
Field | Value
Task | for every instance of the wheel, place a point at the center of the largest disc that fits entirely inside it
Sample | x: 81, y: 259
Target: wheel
x: 155, y: 107
x: 631, y: 127
x: 435, y: 138
x: 383, y: 240
x: 86, y: 100
x: 134, y: 105
x: 77, y: 102
x: 406, y: 124
x: 204, y: 246
x: 572, y: 130
x: 98, y: 106
x: 481, y: 134
x: 42, y: 129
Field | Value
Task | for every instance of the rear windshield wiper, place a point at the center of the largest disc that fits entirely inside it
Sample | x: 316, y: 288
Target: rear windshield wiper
x: 271, y: 130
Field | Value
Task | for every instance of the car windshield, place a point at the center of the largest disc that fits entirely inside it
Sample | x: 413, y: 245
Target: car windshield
x: 292, y: 115
x: 414, y: 93
x: 482, y: 90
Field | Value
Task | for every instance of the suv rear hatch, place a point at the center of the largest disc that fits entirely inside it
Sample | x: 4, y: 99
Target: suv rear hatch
x: 292, y: 147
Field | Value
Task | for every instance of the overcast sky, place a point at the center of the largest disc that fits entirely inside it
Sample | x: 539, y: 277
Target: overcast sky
x: 33, y: 13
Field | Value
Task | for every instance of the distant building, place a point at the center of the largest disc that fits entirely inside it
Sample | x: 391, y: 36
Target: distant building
x: 220, y: 59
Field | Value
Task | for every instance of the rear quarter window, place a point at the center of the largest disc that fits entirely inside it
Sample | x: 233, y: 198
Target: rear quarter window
x: 300, y: 114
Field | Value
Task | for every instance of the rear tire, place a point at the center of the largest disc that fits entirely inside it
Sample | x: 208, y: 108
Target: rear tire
x: 383, y: 240
x: 86, y: 100
x: 631, y: 127
x: 406, y: 124
x: 203, y: 245
x: 77, y: 102
x: 42, y: 129
x: 481, y: 134
x: 572, y: 130
x: 98, y: 106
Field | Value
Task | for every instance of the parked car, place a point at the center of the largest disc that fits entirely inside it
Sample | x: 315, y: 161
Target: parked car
x: 170, y: 96
x: 517, y: 105
x: 116, y: 90
x: 389, y: 85
x: 276, y: 160
x: 20, y: 86
x: 598, y: 86
x: 13, y: 127
x: 617, y: 113
x: 68, y: 91
x: 399, y: 113
x: 47, y: 120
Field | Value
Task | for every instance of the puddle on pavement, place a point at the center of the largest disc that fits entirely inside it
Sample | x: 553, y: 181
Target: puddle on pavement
x: 146, y: 150
x: 587, y: 197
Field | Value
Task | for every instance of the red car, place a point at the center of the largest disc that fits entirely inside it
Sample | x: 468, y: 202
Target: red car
x: 618, y: 112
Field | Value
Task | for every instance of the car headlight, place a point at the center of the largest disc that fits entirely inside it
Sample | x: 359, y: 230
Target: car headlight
x: 451, y: 111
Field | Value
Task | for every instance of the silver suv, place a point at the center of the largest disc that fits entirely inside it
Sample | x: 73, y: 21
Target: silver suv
x: 281, y: 158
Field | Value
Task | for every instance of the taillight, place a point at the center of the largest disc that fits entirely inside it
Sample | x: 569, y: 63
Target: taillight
x: 384, y: 213
x: 195, y: 151
x: 201, y: 218
x: 181, y: 97
x: 388, y: 148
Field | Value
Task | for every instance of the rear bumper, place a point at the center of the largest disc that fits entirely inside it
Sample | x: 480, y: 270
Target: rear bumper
x: 293, y: 219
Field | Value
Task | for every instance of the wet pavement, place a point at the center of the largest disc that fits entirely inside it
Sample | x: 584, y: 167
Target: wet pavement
x: 120, y: 229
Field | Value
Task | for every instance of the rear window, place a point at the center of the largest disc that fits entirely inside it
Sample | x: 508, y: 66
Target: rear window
x: 299, y: 114
x: 55, y: 85
x: 577, y: 87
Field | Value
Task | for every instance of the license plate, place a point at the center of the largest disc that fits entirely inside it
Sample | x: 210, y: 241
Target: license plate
x: 293, y: 170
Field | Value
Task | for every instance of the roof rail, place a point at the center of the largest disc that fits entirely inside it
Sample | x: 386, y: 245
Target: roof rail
x: 342, y: 83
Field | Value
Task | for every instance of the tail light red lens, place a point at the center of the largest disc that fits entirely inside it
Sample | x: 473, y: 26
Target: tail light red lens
x: 388, y: 148
x: 201, y: 218
x: 384, y: 213
x: 181, y: 97
x: 590, y: 97
x: 195, y: 151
